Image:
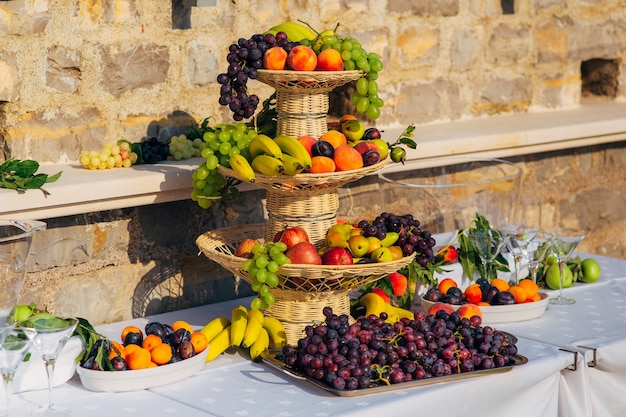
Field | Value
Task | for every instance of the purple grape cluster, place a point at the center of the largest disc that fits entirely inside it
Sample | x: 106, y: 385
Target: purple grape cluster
x: 244, y: 59
x: 372, y: 352
x: 411, y: 237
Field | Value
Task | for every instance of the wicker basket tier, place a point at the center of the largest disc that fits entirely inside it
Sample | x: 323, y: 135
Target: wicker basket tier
x: 311, y: 183
x: 302, y: 98
x: 304, y: 290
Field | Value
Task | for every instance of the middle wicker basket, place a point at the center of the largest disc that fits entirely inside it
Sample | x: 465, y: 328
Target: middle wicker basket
x: 303, y: 290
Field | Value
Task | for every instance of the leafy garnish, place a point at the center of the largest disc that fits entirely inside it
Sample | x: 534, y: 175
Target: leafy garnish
x: 21, y: 175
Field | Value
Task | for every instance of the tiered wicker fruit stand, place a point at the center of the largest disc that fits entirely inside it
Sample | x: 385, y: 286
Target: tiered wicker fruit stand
x: 306, y: 200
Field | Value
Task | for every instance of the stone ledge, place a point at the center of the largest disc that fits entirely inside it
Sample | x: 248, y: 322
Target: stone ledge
x: 83, y: 191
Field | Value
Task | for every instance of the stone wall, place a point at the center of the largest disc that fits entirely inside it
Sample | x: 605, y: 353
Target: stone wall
x: 76, y: 74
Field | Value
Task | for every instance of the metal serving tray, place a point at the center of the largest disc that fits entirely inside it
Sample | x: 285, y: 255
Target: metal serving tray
x: 270, y: 359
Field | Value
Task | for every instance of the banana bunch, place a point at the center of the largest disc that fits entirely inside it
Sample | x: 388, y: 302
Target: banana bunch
x: 281, y: 155
x: 295, y: 31
x: 249, y: 329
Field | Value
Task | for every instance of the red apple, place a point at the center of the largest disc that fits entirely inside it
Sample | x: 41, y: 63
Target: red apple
x: 291, y: 236
x: 244, y: 248
x: 304, y: 253
x: 337, y: 256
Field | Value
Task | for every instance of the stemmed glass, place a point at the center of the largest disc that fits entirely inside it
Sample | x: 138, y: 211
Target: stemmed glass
x: 14, y: 345
x: 519, y: 237
x: 488, y: 243
x: 563, y: 242
x: 538, y: 250
x: 52, y: 334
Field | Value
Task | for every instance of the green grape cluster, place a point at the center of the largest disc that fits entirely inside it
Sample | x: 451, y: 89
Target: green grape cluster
x: 220, y: 143
x: 262, y: 268
x: 183, y: 148
x: 365, y: 99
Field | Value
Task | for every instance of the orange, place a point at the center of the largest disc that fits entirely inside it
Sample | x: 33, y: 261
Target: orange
x: 161, y: 354
x: 139, y: 358
x: 335, y: 138
x: 130, y: 329
x: 130, y: 348
x: 445, y: 284
x: 347, y: 158
x: 199, y: 341
x: 117, y: 349
x: 483, y: 304
x: 531, y: 288
x: 500, y: 284
x: 151, y: 341
x: 321, y: 164
x: 518, y: 293
x: 182, y: 324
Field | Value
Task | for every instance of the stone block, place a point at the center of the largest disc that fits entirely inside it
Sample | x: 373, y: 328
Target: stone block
x: 551, y: 38
x: 24, y: 17
x: 202, y: 65
x: 63, y: 70
x: 422, y: 103
x: 140, y: 66
x: 108, y: 11
x: 418, y: 45
x: 464, y: 49
x: 595, y: 40
x: 508, y: 45
x: 9, y: 78
x: 502, y: 95
x: 424, y: 8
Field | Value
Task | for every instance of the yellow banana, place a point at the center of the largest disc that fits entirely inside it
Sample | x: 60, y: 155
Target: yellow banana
x: 295, y: 31
x: 400, y: 312
x: 254, y: 326
x: 290, y: 146
x: 292, y: 165
x: 238, y: 323
x: 267, y: 165
x: 373, y: 303
x: 242, y: 167
x: 260, y: 345
x: 218, y: 344
x: 276, y: 332
x: 212, y: 328
x: 264, y: 145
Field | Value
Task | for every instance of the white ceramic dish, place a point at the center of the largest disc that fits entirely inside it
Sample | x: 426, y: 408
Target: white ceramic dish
x: 507, y: 313
x: 139, y: 379
x: 31, y: 375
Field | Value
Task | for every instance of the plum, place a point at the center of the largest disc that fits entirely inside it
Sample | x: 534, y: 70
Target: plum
x: 503, y: 298
x: 323, y: 148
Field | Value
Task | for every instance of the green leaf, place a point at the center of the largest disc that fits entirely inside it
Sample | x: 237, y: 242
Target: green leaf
x: 35, y: 182
x: 26, y: 168
x: 53, y: 178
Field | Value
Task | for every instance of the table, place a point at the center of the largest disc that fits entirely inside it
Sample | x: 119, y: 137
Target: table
x: 545, y: 386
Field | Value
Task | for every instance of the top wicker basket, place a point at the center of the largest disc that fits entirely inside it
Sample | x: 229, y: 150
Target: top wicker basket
x: 307, y: 81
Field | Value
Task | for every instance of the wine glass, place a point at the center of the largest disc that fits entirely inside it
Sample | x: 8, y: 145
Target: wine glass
x: 14, y: 345
x: 563, y: 242
x: 488, y: 244
x: 519, y: 237
x: 538, y: 249
x: 52, y: 334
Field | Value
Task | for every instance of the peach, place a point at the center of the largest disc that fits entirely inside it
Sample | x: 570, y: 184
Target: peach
x: 275, y: 58
x: 329, y: 60
x: 308, y: 142
x: 469, y: 310
x: 244, y: 248
x: 473, y: 294
x: 365, y: 146
x: 335, y: 138
x: 321, y: 164
x: 445, y: 284
x: 440, y: 306
x: 302, y: 58
x: 347, y: 158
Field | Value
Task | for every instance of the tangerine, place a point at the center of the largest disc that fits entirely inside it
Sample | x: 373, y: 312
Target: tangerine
x: 182, y: 324
x: 128, y: 349
x: 161, y: 354
x: 519, y: 294
x: 199, y: 341
x: 151, y: 341
x: 531, y: 288
x: 117, y: 349
x: 500, y: 284
x: 139, y: 358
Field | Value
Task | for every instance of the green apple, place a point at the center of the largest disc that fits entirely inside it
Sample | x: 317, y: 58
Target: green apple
x: 353, y: 130
x: 383, y: 147
x: 591, y: 270
x: 553, y: 274
x: 359, y: 245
